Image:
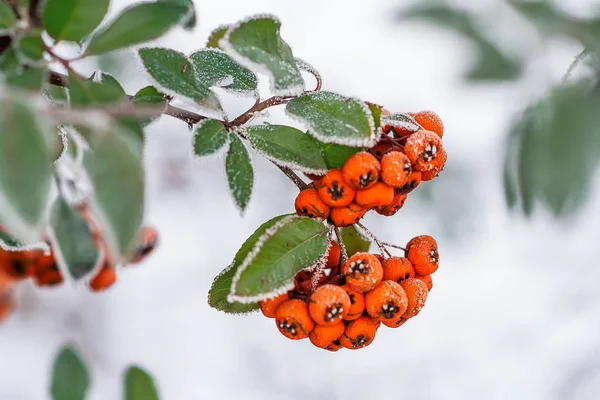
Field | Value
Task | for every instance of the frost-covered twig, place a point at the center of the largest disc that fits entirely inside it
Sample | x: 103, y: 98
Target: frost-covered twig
x: 343, y: 251
x: 579, y: 58
x: 395, y: 246
x: 382, y: 248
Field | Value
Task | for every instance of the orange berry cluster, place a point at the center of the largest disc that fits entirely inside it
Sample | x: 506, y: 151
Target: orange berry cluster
x: 379, y: 179
x: 41, y: 266
x: 344, y: 305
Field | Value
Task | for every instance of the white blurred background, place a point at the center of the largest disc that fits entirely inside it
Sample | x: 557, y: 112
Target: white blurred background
x: 515, y: 308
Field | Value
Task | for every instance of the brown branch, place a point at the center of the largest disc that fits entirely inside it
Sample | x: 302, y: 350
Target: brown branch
x: 292, y: 176
x: 256, y: 108
x: 343, y: 251
x: 382, y: 248
x: 34, y: 14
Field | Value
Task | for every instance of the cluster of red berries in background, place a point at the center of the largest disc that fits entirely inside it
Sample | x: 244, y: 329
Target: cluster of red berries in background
x: 17, y: 266
x: 344, y: 304
x: 380, y: 178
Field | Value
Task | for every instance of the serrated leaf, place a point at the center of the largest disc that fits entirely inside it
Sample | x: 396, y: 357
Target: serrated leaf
x: 332, y: 118
x: 139, y: 385
x: 216, y: 35
x: 73, y: 19
x: 70, y: 377
x: 26, y: 151
x: 7, y: 16
x: 240, y: 173
x: 287, y: 147
x: 216, y: 68
x: 292, y: 244
x: 175, y: 73
x: 256, y: 43
x: 31, y: 79
x: 335, y: 155
x: 115, y: 167
x: 30, y: 47
x: 72, y: 241
x: 190, y: 20
x: 221, y: 287
x: 354, y: 241
x: 137, y: 24
x: 210, y: 137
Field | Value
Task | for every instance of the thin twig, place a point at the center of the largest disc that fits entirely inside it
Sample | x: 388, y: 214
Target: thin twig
x: 256, y: 108
x: 293, y: 177
x: 579, y: 58
x: 343, y: 250
x: 395, y: 246
x: 382, y: 248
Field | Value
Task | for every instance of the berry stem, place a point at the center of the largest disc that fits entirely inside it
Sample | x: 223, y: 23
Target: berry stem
x: 395, y: 246
x: 382, y: 248
x: 343, y: 251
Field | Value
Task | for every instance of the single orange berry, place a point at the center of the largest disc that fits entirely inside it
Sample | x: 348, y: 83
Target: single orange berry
x: 421, y: 238
x: 46, y: 272
x: 395, y: 169
x: 293, y: 319
x: 363, y: 272
x: 148, y: 242
x: 105, y: 279
x: 269, y: 306
x: 395, y: 206
x: 387, y: 301
x: 422, y: 148
x: 427, y: 176
x: 427, y: 279
x: 348, y: 215
x: 397, y: 269
x: 333, y: 257
x: 377, y: 195
x: 430, y: 121
x: 424, y: 257
x: 416, y: 294
x: 328, y: 304
x: 19, y: 264
x: 361, y: 170
x: 334, y: 191
x: 324, y: 335
x: 396, y: 323
x: 308, y: 203
x: 413, y: 180
x: 357, y: 303
x: 359, y: 333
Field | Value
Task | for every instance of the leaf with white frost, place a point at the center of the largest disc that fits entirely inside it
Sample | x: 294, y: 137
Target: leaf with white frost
x: 240, y: 173
x: 214, y: 67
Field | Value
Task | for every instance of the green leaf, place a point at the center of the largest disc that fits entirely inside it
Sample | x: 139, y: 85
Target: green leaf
x: 335, y: 155
x: 10, y: 65
x: 215, y: 68
x: 73, y: 19
x: 115, y: 167
x: 190, y: 20
x: 70, y: 377
x: 149, y: 95
x: 30, y: 47
x: 58, y: 94
x: 137, y: 24
x: 174, y: 73
x: 292, y: 244
x: 256, y: 44
x: 72, y: 241
x: 332, y: 118
x: 7, y: 240
x: 240, y: 172
x: 31, y: 79
x: 216, y: 35
x: 354, y: 241
x: 287, y: 146
x: 401, y: 120
x: 491, y: 64
x: 26, y: 151
x: 376, y: 111
x: 210, y: 137
x: 7, y: 16
x: 139, y: 385
x: 109, y: 80
x: 221, y: 287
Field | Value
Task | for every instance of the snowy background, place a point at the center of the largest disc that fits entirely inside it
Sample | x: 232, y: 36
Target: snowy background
x: 515, y: 309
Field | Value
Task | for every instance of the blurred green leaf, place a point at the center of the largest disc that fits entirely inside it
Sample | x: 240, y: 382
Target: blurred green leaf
x: 26, y: 150
x: 491, y: 64
x: 216, y: 35
x: 190, y: 20
x: 149, y: 95
x: 72, y: 240
x: 354, y: 241
x: 31, y: 79
x: 70, y: 377
x: 73, y: 19
x: 137, y: 24
x: 30, y: 46
x: 257, y: 43
x: 139, y: 385
x: 7, y: 16
x: 10, y: 65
